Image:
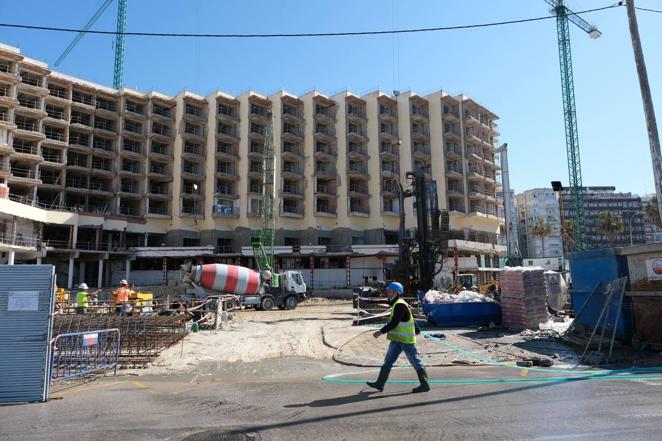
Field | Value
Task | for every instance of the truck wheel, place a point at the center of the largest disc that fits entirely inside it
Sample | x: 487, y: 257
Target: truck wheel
x: 267, y: 304
x: 291, y: 302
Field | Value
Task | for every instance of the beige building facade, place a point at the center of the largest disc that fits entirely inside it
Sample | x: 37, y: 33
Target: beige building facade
x: 147, y: 170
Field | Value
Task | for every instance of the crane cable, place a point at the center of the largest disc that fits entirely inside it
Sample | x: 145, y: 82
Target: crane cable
x: 303, y: 34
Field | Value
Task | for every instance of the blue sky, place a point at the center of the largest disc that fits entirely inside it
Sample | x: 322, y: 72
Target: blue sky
x: 513, y: 70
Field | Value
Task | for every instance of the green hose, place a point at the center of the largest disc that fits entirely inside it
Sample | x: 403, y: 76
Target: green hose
x: 598, y: 375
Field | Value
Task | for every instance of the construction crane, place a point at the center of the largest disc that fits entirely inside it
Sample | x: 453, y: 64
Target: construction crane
x: 263, y: 243
x: 563, y: 18
x: 118, y: 70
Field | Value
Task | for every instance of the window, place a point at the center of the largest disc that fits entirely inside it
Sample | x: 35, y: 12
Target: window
x: 291, y: 241
x: 188, y: 242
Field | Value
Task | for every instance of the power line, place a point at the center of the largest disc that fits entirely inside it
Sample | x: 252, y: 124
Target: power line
x: 649, y: 10
x: 297, y: 35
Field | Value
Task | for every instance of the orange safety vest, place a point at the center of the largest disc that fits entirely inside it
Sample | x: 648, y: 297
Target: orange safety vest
x: 122, y: 295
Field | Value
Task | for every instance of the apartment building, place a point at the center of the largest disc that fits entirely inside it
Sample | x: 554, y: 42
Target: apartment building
x: 605, y: 199
x: 120, y: 182
x: 539, y: 204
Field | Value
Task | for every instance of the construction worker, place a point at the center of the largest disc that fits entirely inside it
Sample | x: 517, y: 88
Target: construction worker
x: 401, y: 332
x: 121, y: 295
x: 83, y: 298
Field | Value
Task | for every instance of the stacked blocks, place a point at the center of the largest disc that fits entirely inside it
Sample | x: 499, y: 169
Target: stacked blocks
x: 523, y: 297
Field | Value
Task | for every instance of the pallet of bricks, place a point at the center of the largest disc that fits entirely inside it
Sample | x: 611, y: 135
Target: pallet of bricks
x: 523, y: 297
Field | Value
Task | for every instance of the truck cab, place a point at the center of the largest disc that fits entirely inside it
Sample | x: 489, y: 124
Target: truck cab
x: 286, y: 291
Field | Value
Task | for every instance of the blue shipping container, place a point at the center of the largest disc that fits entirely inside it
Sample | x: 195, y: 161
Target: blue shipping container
x: 587, y: 270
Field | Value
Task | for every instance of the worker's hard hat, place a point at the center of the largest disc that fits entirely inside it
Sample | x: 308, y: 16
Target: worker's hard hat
x: 83, y: 286
x: 396, y: 286
x: 266, y: 275
x: 123, y: 282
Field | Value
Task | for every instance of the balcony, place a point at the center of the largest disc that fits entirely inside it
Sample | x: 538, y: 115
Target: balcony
x: 292, y: 191
x: 159, y: 191
x: 158, y: 149
x: 419, y: 114
x: 225, y: 209
x: 476, y: 193
x: 324, y: 114
x: 193, y: 151
x: 357, y: 208
x: 326, y: 171
x: 354, y: 112
x: 133, y: 129
x: 455, y: 191
x: 324, y: 133
x: 474, y: 174
x: 291, y: 210
x: 256, y: 170
x: 59, y: 93
x: 325, y: 190
x: 226, y: 151
x: 105, y: 127
x: 131, y: 169
x: 103, y: 147
x: 194, y: 113
x: 358, y: 190
x: 325, y: 151
x: 102, y: 167
x: 421, y: 151
x: 8, y: 72
x: 106, y: 107
x: 26, y: 151
x: 256, y: 151
x: 387, y: 112
x: 453, y: 150
x: 130, y: 189
x: 158, y: 170
x: 52, y: 158
x: 389, y: 151
x: 356, y: 134
x: 226, y: 171
x: 30, y: 105
x: 292, y: 151
x: 292, y: 170
x: 390, y: 170
x: 474, y: 153
x: 135, y: 109
x: 357, y: 171
x: 28, y: 128
x: 227, y: 133
x: 292, y: 134
x: 454, y: 170
x: 77, y: 183
x: 33, y: 83
x: 51, y: 178
x: 227, y: 113
x: 450, y: 114
x: 472, y: 118
x: 227, y: 191
x: 82, y: 99
x: 420, y: 132
x: 390, y: 189
x: 357, y: 151
x: 192, y: 172
x: 101, y: 188
x: 291, y: 113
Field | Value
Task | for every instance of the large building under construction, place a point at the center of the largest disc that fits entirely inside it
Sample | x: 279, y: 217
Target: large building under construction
x: 109, y: 183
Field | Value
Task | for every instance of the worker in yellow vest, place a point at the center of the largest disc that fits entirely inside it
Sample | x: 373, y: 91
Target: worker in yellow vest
x: 401, y: 332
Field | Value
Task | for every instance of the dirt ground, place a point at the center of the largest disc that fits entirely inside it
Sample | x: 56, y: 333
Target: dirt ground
x: 322, y: 329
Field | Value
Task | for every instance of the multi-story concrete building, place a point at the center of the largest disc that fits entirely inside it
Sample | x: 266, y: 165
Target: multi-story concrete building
x: 104, y: 176
x: 533, y: 206
x: 606, y: 199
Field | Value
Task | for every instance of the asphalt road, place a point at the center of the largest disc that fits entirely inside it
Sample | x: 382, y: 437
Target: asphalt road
x: 286, y: 400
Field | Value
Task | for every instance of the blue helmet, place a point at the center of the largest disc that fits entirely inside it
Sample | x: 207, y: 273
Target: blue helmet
x: 396, y: 286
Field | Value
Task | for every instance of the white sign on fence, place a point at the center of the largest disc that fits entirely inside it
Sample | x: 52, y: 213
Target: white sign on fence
x: 654, y: 269
x: 23, y: 301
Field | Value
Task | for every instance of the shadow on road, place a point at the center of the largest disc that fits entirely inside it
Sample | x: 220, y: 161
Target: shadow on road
x: 364, y: 395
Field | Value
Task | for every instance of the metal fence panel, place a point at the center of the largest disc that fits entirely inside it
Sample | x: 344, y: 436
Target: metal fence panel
x: 27, y: 299
x: 82, y: 353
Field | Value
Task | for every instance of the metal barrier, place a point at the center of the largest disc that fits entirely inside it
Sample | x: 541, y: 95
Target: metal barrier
x: 81, y: 353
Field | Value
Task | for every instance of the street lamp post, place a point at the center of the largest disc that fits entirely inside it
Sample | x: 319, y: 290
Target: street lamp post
x: 630, y: 223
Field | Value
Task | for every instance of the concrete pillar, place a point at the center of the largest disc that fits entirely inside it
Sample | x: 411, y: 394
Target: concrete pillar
x: 39, y: 260
x: 70, y: 275
x: 100, y: 278
x: 97, y: 238
x: 128, y: 270
x: 81, y: 272
x: 12, y: 255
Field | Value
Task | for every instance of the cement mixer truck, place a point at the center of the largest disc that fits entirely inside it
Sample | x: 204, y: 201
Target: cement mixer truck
x: 263, y: 290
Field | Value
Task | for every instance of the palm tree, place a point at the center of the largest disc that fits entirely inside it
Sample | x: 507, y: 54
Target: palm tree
x: 609, y: 225
x: 568, y: 235
x: 542, y: 229
x: 652, y: 212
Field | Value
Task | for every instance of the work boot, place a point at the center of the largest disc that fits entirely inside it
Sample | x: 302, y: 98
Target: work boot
x: 381, y: 379
x: 423, y: 378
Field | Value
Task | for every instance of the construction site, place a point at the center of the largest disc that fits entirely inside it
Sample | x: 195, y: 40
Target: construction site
x: 252, y: 267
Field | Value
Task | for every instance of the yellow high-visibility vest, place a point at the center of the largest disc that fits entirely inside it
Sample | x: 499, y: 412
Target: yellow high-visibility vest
x: 405, y: 332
